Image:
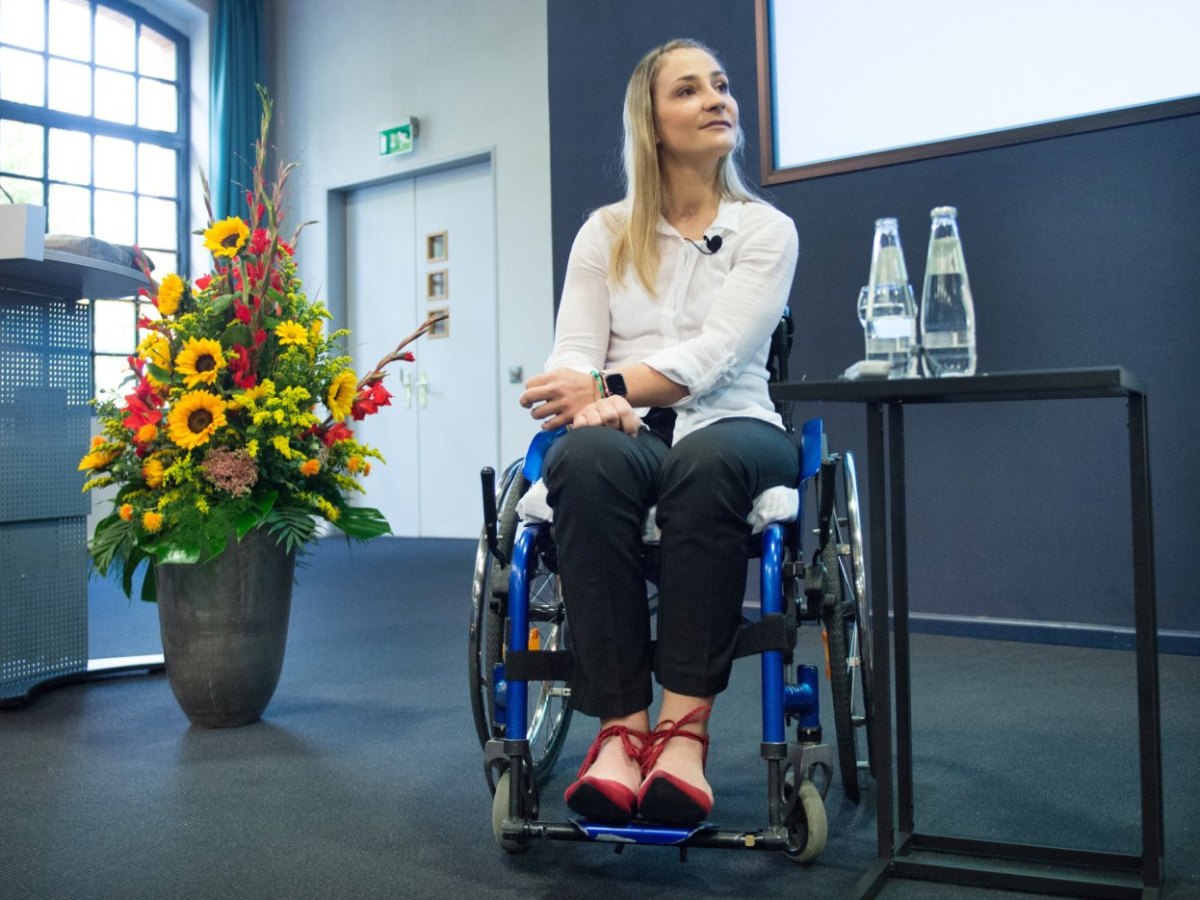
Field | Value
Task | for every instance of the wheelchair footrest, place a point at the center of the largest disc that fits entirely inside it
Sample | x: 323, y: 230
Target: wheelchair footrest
x: 648, y: 834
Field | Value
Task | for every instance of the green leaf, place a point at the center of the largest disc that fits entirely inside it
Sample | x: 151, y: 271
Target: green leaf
x: 168, y: 554
x: 236, y: 333
x: 221, y: 303
x: 363, y: 522
x: 150, y: 585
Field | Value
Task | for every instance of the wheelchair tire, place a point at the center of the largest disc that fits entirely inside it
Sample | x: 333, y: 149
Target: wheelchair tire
x: 848, y: 642
x: 549, y: 706
x: 808, y: 824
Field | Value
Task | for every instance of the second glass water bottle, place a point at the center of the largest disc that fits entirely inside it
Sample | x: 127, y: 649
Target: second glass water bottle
x: 947, y: 310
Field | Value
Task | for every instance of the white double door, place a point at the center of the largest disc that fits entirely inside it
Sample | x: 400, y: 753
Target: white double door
x: 443, y: 424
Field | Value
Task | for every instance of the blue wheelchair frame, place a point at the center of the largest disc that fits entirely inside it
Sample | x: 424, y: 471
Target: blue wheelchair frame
x: 780, y: 699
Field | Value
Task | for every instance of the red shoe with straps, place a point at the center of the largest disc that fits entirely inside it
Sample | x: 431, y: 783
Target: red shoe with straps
x: 664, y: 797
x: 602, y: 799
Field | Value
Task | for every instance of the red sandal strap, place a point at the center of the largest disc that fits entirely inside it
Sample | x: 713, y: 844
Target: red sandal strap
x: 626, y: 735
x: 668, y: 730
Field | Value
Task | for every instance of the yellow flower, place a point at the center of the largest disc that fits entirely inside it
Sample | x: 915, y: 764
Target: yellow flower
x: 252, y: 448
x: 200, y: 361
x: 146, y: 433
x: 354, y: 463
x: 227, y: 237
x: 152, y: 521
x: 156, y: 350
x: 125, y: 512
x: 291, y: 332
x: 315, y: 328
x: 195, y: 417
x: 152, y: 471
x: 310, y: 467
x: 202, y: 506
x: 98, y: 459
x: 340, y: 397
x: 169, y: 293
x: 283, y: 448
x: 252, y: 395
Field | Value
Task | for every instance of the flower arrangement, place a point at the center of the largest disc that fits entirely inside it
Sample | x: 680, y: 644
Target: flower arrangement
x: 221, y: 431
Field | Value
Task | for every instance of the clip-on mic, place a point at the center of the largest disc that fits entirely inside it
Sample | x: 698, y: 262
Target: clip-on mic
x: 712, y: 243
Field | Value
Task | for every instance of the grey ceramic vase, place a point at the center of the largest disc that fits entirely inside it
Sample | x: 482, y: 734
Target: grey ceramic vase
x: 224, y: 629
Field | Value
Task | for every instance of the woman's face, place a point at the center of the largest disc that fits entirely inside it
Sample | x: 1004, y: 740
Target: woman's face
x: 695, y: 116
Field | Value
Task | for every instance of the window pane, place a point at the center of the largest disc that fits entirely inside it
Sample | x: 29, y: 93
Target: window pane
x: 23, y: 191
x: 21, y: 23
x: 71, y: 28
x: 157, y: 106
x: 114, y: 326
x: 109, y: 373
x: 114, y: 163
x: 156, y: 170
x: 21, y: 148
x: 69, y: 210
x: 71, y: 87
x: 164, y: 263
x: 114, y: 96
x: 114, y: 39
x: 156, y: 223
x: 22, y: 77
x: 70, y: 156
x: 156, y: 55
x: 114, y: 217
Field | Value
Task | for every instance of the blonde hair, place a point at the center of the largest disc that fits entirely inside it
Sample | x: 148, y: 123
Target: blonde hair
x: 636, y: 236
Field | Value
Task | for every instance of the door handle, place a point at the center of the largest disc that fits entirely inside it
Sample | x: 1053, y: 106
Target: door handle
x: 423, y: 390
x: 406, y: 383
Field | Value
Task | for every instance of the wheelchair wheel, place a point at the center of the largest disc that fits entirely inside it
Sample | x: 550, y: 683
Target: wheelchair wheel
x: 847, y: 629
x: 549, y: 709
x: 807, y: 824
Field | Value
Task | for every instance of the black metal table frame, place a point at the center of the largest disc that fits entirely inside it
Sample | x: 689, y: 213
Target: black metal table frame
x: 902, y: 851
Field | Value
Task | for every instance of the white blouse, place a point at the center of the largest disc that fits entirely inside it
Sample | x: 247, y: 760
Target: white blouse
x: 710, y: 326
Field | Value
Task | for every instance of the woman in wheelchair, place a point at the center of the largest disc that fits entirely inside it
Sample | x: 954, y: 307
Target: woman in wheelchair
x: 659, y: 370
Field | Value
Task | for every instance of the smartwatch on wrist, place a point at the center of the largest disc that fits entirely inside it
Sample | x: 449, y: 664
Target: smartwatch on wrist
x: 614, y: 384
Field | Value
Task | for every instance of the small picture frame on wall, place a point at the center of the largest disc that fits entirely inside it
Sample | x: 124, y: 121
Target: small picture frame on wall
x: 437, y: 285
x: 440, y: 329
x: 437, y: 247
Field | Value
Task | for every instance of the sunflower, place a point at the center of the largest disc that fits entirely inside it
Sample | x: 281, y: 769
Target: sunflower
x: 195, y: 418
x: 169, y: 293
x: 227, y: 237
x: 340, y: 396
x: 291, y: 332
x: 200, y: 361
x: 98, y: 459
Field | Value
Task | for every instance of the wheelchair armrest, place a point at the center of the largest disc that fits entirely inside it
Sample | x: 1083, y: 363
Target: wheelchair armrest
x: 536, y: 454
x: 812, y: 448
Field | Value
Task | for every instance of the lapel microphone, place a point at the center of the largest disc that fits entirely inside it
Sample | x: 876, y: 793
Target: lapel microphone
x: 712, y: 243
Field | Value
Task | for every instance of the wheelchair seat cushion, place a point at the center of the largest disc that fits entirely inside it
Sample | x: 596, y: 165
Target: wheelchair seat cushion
x: 777, y: 504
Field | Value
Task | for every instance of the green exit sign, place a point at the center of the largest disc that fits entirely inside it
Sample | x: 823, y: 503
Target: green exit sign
x: 398, y: 139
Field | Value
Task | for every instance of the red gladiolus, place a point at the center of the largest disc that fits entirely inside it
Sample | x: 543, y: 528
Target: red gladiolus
x: 408, y: 357
x: 203, y: 282
x: 336, y: 432
x: 259, y: 241
x: 260, y: 337
x: 242, y: 312
x: 240, y: 367
x: 286, y: 247
x: 368, y: 402
x: 140, y: 412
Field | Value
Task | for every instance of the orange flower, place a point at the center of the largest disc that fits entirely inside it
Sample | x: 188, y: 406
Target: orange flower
x: 152, y: 521
x: 146, y: 433
x: 310, y: 467
x: 152, y: 471
x: 125, y: 512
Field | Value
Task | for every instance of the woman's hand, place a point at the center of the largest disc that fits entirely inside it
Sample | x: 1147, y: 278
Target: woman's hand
x: 558, y: 396
x: 611, y: 412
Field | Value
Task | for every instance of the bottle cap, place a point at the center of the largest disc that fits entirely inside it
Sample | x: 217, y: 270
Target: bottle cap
x: 886, y: 223
x: 942, y: 212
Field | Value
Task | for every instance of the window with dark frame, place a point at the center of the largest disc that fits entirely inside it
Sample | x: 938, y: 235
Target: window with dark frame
x: 93, y: 125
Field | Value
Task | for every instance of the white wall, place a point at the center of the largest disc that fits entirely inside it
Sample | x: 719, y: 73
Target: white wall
x: 474, y: 72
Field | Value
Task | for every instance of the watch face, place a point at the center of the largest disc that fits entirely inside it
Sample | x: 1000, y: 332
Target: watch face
x: 615, y: 384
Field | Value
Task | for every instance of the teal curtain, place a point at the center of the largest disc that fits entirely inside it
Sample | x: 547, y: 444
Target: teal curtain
x: 238, y: 65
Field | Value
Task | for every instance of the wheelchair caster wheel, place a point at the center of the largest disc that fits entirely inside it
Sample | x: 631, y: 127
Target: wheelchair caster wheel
x: 808, y: 827
x: 500, y: 813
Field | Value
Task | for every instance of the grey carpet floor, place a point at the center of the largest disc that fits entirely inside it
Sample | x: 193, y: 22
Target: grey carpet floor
x: 364, y: 779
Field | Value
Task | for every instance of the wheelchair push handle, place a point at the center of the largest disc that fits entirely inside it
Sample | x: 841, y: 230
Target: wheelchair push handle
x: 487, y: 475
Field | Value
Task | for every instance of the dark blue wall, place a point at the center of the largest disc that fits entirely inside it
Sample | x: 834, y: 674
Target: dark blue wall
x: 1082, y: 251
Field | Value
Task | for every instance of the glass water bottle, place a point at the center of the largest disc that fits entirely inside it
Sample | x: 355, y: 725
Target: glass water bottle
x: 947, y: 310
x: 886, y: 306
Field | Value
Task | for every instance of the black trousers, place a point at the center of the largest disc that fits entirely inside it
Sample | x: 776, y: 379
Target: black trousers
x: 601, y: 482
